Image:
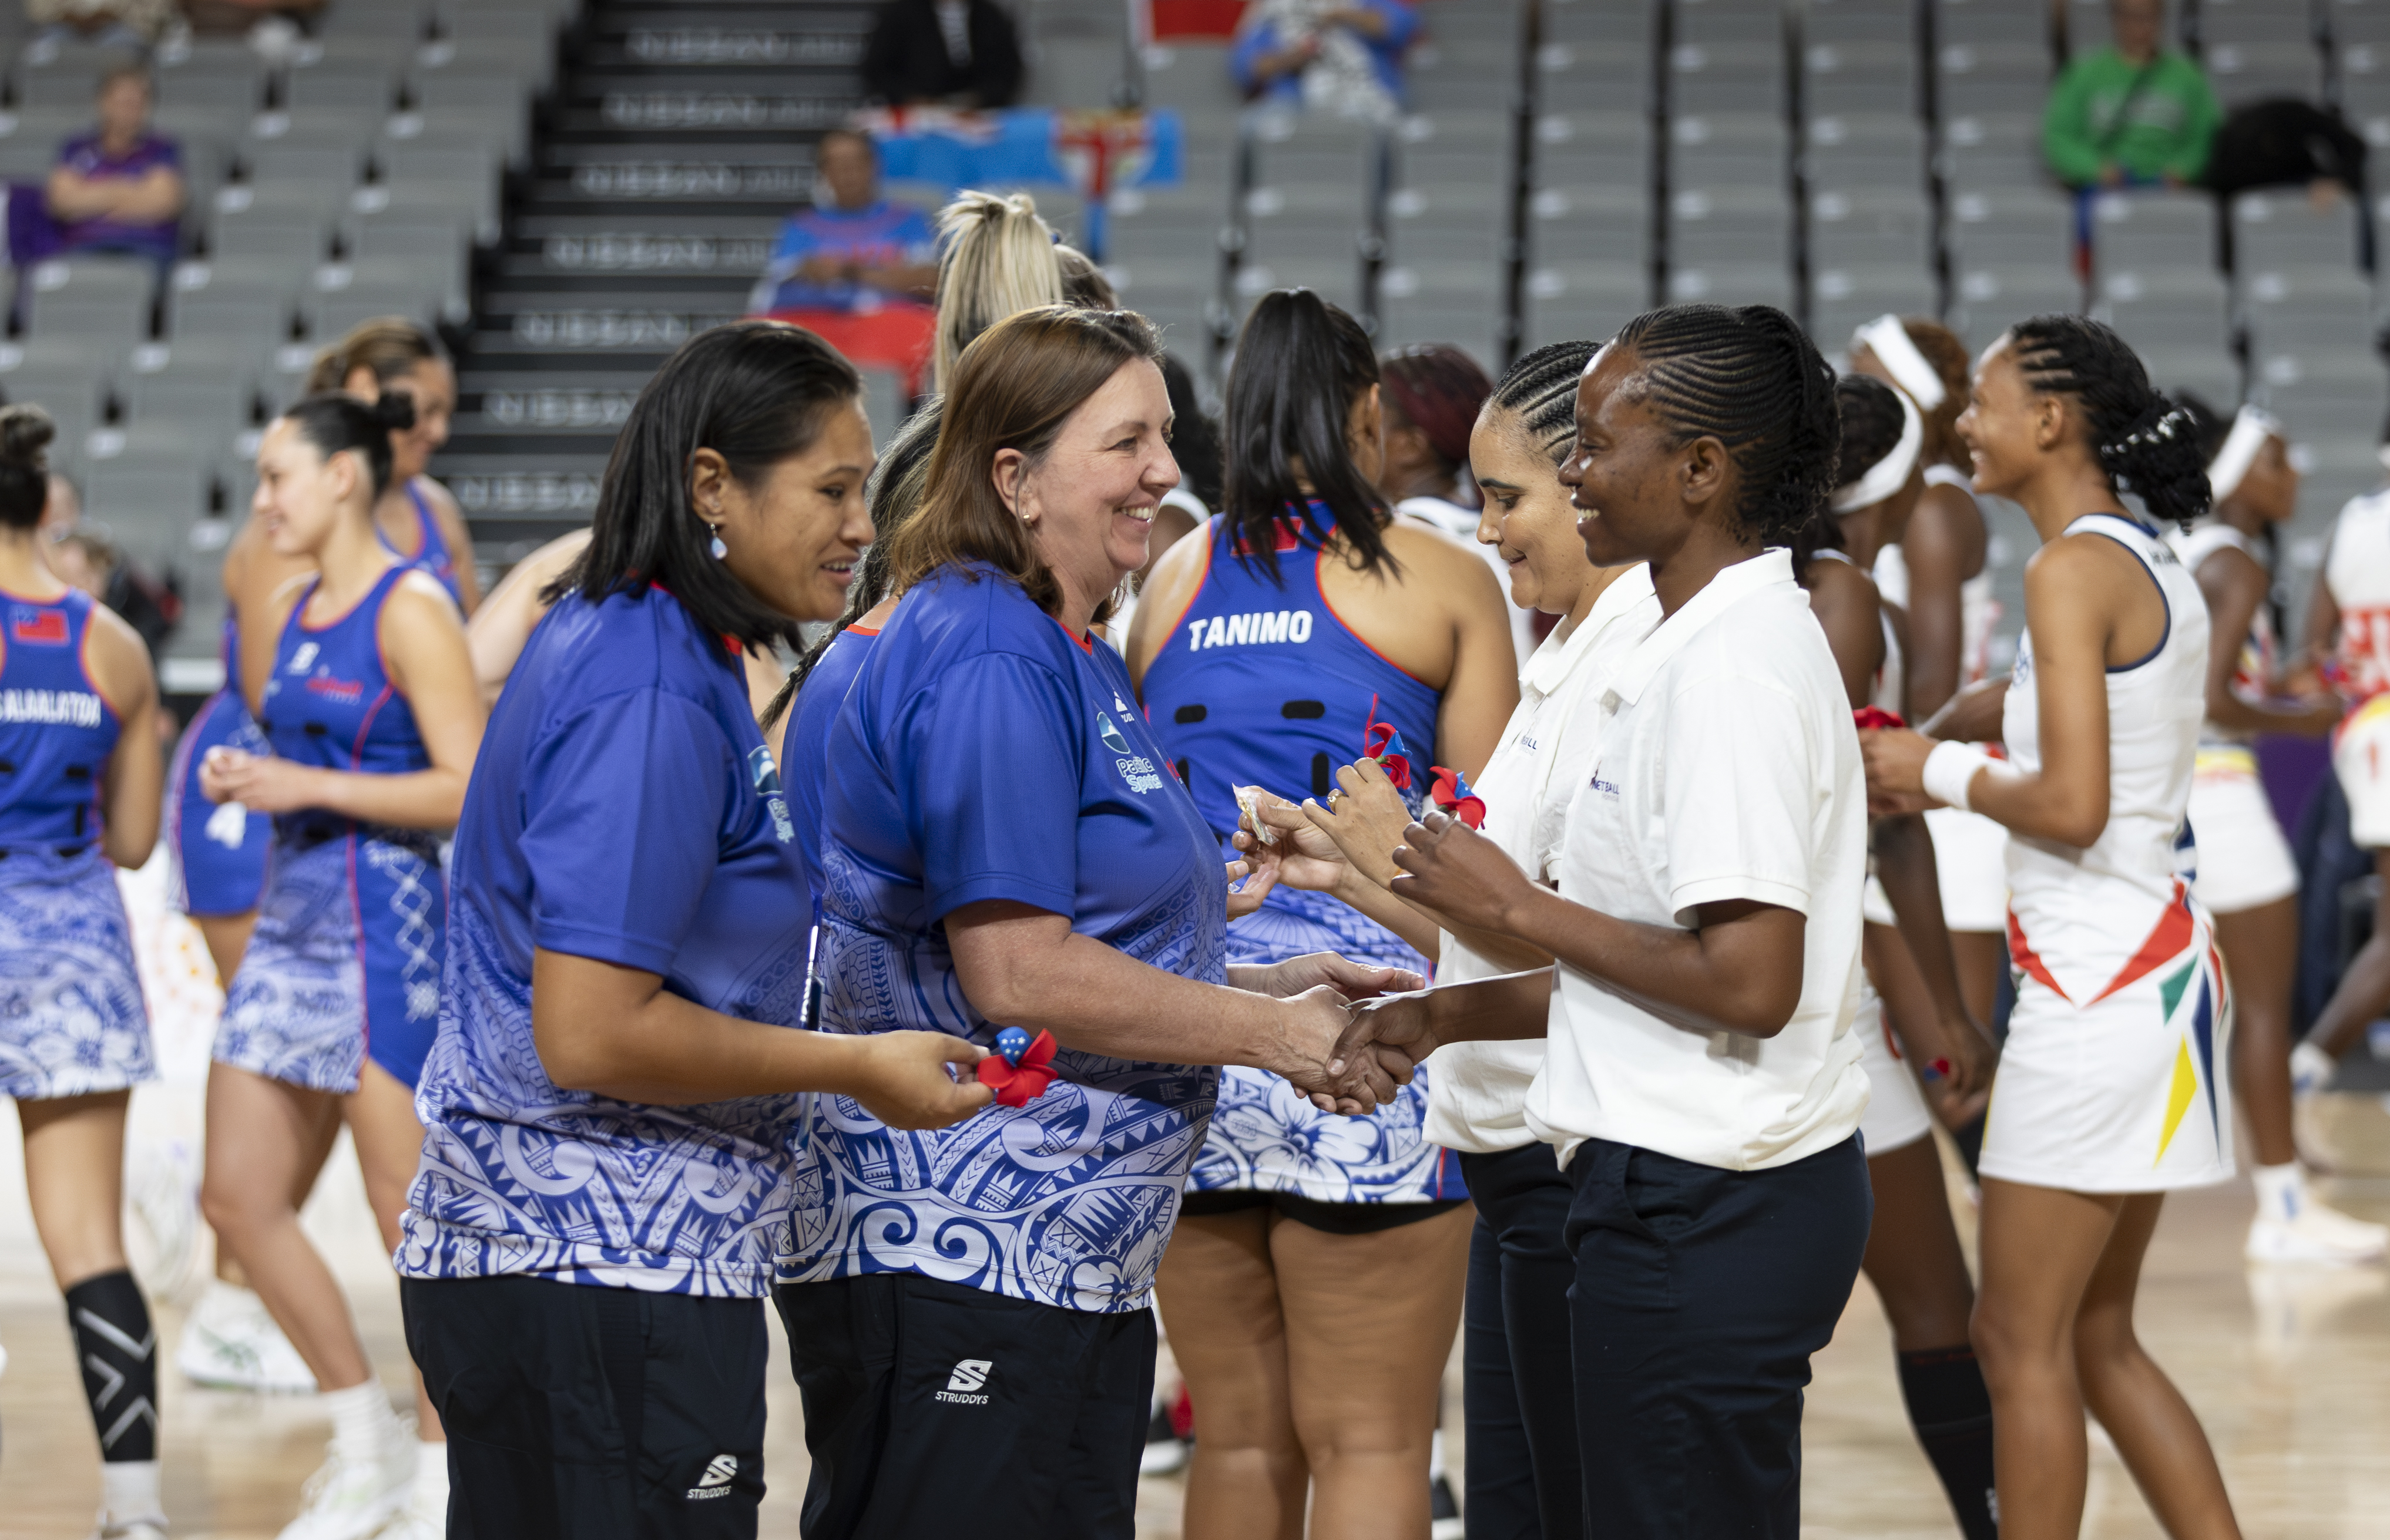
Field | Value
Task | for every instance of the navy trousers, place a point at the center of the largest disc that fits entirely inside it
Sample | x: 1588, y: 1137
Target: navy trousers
x: 1516, y: 1389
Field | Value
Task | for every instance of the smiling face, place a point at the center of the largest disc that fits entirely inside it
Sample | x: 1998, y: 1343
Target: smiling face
x: 1627, y: 477
x: 796, y: 534
x: 302, y: 496
x: 2007, y: 425
x: 1089, y: 502
x: 431, y: 385
x: 1527, y: 518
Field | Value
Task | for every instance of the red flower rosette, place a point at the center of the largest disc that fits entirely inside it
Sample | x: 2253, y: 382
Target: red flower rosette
x: 1874, y: 718
x: 1016, y: 1084
x: 1450, y: 792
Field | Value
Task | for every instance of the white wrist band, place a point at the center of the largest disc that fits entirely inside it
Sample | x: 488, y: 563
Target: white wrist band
x: 1950, y: 769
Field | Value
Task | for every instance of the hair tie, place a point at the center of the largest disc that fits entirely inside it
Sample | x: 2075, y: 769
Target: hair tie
x: 1889, y: 340
x: 1891, y: 473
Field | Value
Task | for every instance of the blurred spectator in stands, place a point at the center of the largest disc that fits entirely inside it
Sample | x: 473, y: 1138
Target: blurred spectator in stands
x: 2284, y: 143
x: 118, y: 191
x: 854, y: 250
x: 109, y: 24
x: 2134, y: 115
x: 942, y: 53
x: 85, y: 558
x: 61, y: 508
x: 1330, y: 56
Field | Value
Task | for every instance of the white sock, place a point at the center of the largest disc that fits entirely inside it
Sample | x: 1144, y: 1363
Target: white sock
x: 130, y: 1489
x: 1435, y: 1455
x: 362, y: 1418
x: 431, y: 1498
x: 2281, y: 1190
x: 2311, y: 1067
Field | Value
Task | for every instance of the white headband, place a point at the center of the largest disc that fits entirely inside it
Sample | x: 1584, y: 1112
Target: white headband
x: 1891, y: 473
x: 1888, y: 339
x: 2251, y: 428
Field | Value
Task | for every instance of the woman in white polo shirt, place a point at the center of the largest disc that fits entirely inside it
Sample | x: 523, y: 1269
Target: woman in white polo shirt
x: 1701, y: 1079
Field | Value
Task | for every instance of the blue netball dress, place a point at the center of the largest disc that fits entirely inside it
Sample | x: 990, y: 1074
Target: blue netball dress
x: 345, y: 961
x: 804, y: 743
x: 71, y: 1017
x: 218, y: 851
x: 433, y: 556
x: 1262, y: 684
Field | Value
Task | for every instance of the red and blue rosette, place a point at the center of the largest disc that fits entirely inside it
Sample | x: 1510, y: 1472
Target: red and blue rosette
x: 1446, y: 789
x: 1020, y: 1067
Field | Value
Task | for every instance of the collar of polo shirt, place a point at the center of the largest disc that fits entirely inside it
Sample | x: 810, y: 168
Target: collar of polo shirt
x: 1550, y: 667
x: 1732, y: 585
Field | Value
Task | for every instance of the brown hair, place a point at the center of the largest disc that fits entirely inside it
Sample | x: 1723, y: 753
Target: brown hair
x: 392, y: 346
x: 1949, y: 356
x: 1012, y: 389
x: 1084, y: 283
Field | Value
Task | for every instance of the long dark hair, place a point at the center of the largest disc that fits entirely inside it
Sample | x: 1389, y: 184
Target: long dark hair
x: 1194, y: 438
x: 1300, y: 364
x: 753, y: 392
x: 1750, y: 378
x: 25, y: 434
x: 2145, y: 443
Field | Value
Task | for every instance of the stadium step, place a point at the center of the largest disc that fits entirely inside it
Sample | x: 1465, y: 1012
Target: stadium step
x: 674, y: 141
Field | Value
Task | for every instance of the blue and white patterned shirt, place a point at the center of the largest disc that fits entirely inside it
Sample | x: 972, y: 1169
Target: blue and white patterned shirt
x: 984, y: 752
x: 625, y: 808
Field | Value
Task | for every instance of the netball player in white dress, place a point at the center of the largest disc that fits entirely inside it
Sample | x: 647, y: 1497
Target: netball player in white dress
x: 2112, y: 1086
x: 2245, y: 875
x: 1938, y: 573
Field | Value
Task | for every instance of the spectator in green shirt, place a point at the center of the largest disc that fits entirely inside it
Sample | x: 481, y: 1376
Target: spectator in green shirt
x: 2133, y: 115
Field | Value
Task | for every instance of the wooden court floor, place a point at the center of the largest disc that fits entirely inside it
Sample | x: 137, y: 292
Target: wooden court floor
x: 2290, y: 1369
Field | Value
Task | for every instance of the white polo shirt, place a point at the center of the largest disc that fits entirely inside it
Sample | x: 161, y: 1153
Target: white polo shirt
x: 1477, y: 1097
x: 1726, y: 767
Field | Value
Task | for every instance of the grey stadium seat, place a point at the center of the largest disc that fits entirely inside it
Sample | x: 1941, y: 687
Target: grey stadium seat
x: 1569, y: 302
x: 2019, y: 228
x: 95, y: 297
x: 1989, y: 299
x: 2280, y: 228
x: 1733, y: 148
x: 2140, y: 230
x: 1994, y: 151
x: 1856, y: 76
x: 1854, y: 224
x: 1578, y: 225
x: 1991, y: 77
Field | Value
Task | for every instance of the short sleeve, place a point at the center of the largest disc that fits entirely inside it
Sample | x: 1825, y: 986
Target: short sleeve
x: 623, y: 804
x: 989, y: 778
x: 796, y: 242
x: 919, y: 241
x: 1740, y: 796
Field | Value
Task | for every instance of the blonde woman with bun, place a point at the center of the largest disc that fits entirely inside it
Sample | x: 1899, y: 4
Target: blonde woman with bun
x: 997, y: 258
x: 417, y: 517
x: 82, y: 780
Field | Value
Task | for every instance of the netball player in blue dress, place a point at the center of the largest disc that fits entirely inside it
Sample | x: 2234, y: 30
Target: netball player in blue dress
x: 1264, y: 652
x: 415, y: 516
x: 615, y: 1089
x: 80, y: 775
x: 372, y: 715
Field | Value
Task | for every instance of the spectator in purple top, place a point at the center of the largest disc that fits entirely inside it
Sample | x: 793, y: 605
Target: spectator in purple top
x: 120, y: 189
x: 854, y: 250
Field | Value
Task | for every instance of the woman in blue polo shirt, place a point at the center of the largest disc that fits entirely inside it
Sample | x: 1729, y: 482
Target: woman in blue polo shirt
x: 612, y: 1095
x: 1004, y: 846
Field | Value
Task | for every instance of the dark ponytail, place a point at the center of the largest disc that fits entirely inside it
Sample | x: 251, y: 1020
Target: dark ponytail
x: 1750, y: 378
x: 335, y: 423
x: 2145, y: 443
x: 1300, y: 364
x: 1540, y: 390
x: 25, y: 432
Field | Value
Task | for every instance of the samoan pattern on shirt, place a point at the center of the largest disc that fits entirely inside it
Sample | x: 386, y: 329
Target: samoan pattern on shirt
x: 1066, y: 1202
x: 296, y: 1009
x: 519, y: 1176
x: 1266, y: 1137
x: 71, y: 1017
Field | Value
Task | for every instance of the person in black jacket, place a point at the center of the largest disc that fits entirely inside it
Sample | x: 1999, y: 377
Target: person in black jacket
x: 943, y: 53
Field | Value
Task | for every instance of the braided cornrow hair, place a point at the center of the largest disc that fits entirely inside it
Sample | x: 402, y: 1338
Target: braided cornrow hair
x: 2145, y: 443
x: 1750, y: 378
x: 1540, y: 390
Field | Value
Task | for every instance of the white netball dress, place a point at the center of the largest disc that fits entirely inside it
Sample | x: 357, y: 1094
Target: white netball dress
x: 2243, y: 860
x: 1969, y: 849
x: 1897, y: 1114
x: 2115, y: 1078
x: 2357, y: 572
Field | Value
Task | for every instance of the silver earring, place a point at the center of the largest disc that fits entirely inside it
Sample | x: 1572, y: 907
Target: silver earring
x: 718, y: 548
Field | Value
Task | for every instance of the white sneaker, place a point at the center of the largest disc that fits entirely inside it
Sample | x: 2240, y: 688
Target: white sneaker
x: 2311, y: 1069
x: 355, y: 1493
x: 2316, y: 1234
x: 230, y: 1342
x: 152, y: 1528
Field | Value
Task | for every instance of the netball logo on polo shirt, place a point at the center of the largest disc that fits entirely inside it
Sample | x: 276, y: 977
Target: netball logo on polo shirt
x: 766, y: 776
x: 1135, y: 768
